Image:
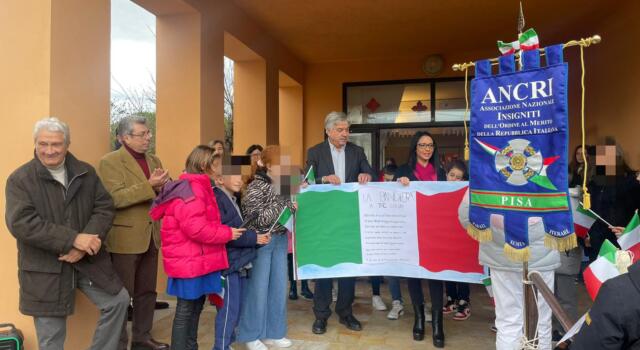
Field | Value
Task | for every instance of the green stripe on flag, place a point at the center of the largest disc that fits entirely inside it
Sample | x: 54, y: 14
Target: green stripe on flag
x: 328, y: 228
x: 583, y: 211
x: 520, y: 201
x: 608, y: 251
x: 285, y: 216
x: 633, y: 224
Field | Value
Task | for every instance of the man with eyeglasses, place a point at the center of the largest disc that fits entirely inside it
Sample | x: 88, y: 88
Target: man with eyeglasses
x: 133, y: 177
x: 336, y: 161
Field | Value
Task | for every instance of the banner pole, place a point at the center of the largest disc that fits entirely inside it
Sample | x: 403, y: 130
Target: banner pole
x: 586, y: 42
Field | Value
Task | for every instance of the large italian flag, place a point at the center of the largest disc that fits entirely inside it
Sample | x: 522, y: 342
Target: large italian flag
x: 630, y: 238
x: 385, y: 229
x: 602, y: 269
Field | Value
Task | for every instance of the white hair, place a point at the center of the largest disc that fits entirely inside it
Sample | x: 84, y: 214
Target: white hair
x: 52, y: 124
x: 333, y: 118
x: 125, y: 125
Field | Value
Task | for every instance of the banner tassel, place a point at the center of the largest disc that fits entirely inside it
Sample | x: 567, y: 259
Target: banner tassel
x: 479, y: 234
x: 466, y: 112
x: 586, y: 197
x: 561, y: 244
x: 520, y: 255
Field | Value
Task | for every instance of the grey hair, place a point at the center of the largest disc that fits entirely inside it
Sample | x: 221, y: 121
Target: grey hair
x: 52, y: 124
x: 333, y: 118
x: 125, y: 125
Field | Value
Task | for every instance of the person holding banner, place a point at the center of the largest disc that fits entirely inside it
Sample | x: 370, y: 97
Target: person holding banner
x: 506, y: 280
x: 423, y: 165
x: 263, y: 316
x: 337, y: 161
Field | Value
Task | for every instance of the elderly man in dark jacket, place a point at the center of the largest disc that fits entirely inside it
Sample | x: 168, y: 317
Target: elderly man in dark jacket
x: 59, y: 213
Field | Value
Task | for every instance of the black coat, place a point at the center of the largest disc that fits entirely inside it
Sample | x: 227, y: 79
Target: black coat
x: 319, y: 156
x: 241, y: 251
x: 614, y: 318
x: 45, y: 219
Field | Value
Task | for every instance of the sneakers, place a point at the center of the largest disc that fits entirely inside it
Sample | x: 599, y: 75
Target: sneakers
x: 462, y: 311
x: 397, y: 310
x: 377, y: 303
x: 256, y: 345
x: 278, y: 343
x: 449, y: 307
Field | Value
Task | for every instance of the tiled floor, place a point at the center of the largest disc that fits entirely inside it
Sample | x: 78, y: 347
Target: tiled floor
x: 378, y: 332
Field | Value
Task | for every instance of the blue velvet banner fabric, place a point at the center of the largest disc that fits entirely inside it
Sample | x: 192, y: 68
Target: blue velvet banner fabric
x: 519, y: 140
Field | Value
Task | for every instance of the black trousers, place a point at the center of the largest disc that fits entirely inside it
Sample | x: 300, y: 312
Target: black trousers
x: 436, y: 291
x: 322, y: 297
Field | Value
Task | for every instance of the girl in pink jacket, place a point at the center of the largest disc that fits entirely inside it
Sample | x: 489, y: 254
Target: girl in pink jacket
x: 193, y: 242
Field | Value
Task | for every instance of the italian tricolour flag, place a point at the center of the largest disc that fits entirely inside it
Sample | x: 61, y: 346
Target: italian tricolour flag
x: 602, y: 269
x: 630, y: 238
x: 582, y: 219
x: 526, y: 41
x: 286, y: 219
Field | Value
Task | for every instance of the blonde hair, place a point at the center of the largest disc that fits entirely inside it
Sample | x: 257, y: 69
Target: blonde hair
x: 200, y: 160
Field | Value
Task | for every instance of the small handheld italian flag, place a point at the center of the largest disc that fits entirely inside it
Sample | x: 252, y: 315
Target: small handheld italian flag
x: 310, y: 177
x: 630, y: 238
x: 526, y: 41
x: 602, y: 269
x: 582, y: 219
x: 285, y: 219
x: 217, y: 299
x: 487, y: 284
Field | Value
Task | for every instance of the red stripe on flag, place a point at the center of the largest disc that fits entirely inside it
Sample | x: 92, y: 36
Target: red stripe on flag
x: 592, y: 283
x: 442, y: 242
x: 636, y: 252
x: 581, y: 231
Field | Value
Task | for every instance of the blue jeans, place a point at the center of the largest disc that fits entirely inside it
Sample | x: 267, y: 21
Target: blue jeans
x: 394, y: 288
x: 264, y: 303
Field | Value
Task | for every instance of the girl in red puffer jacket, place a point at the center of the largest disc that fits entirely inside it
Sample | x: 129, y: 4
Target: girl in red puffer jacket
x: 193, y: 242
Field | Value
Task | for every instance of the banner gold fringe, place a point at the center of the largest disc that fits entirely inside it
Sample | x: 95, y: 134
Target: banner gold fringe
x: 478, y: 234
x: 519, y: 255
x: 561, y: 244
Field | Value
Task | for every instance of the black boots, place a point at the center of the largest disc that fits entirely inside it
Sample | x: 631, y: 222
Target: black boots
x: 305, y: 291
x: 293, y: 290
x: 418, y: 323
x: 437, y: 325
x: 438, y: 330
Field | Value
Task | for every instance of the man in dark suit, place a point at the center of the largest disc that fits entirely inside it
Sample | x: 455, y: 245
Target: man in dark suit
x: 337, y: 161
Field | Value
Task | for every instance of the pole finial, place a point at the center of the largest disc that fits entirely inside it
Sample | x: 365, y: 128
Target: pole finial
x: 520, y: 20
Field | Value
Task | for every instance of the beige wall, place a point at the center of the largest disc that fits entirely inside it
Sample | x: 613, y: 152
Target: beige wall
x: 290, y: 132
x: 55, y: 61
x: 250, y: 104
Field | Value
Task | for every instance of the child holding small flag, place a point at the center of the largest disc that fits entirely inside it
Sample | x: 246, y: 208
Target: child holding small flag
x: 193, y: 242
x: 457, y: 292
x: 240, y: 253
x: 263, y: 318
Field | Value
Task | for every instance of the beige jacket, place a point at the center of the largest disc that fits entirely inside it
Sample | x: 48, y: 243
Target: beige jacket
x: 132, y: 194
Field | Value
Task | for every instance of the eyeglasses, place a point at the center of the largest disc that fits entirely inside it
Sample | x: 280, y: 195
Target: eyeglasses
x: 426, y: 145
x: 341, y: 130
x: 143, y: 135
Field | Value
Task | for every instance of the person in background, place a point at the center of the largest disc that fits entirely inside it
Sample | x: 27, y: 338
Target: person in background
x: 263, y: 318
x: 423, y: 165
x: 240, y: 253
x: 254, y: 151
x: 133, y: 177
x: 457, y: 292
x: 60, y: 215
x: 218, y: 146
x: 193, y: 242
x: 612, y: 194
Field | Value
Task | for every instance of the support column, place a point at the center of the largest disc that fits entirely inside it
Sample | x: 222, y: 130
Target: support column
x: 55, y: 62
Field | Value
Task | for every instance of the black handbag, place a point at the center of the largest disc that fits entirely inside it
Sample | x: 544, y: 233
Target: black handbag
x: 10, y: 337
